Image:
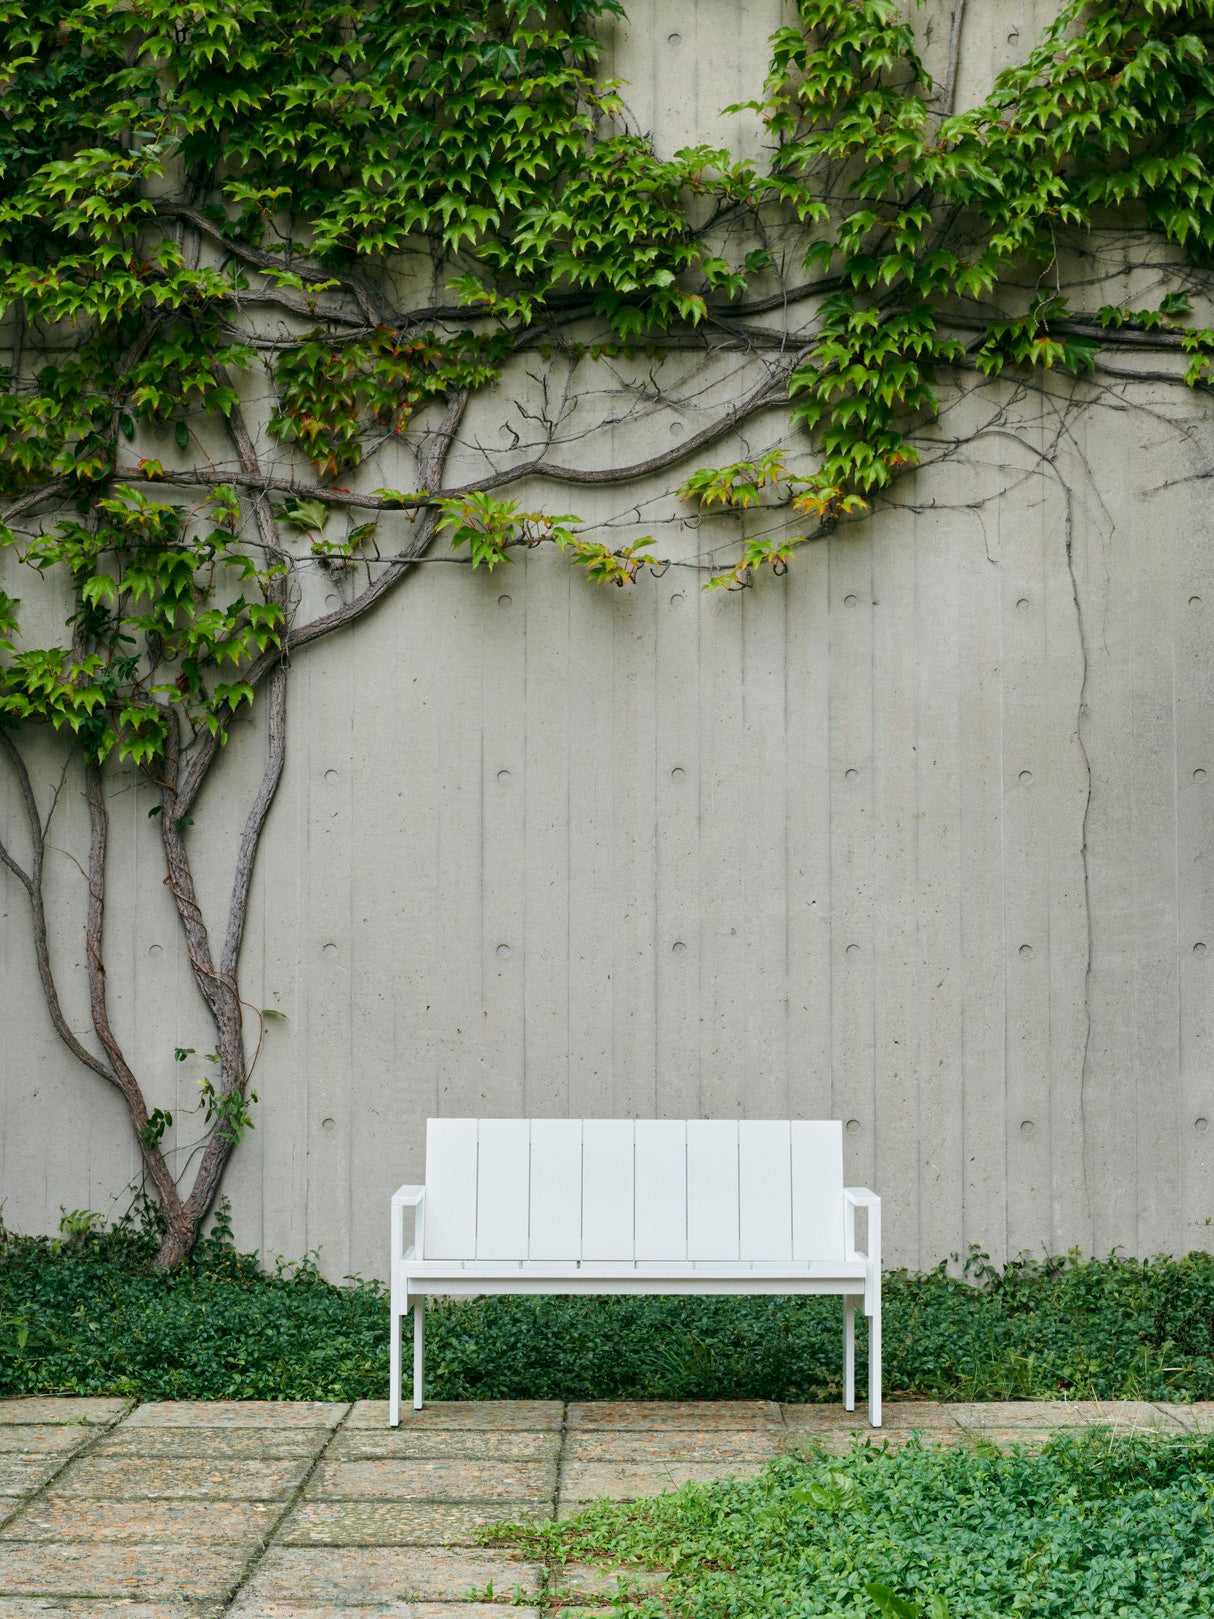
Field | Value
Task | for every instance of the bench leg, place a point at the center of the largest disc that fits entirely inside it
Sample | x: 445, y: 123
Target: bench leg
x: 419, y: 1349
x: 849, y: 1352
x: 874, y: 1367
x: 394, y: 1369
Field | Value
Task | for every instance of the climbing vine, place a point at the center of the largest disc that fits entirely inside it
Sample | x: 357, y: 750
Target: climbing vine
x: 257, y: 260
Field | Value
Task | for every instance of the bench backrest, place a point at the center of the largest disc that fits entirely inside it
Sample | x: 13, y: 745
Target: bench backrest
x: 629, y: 1190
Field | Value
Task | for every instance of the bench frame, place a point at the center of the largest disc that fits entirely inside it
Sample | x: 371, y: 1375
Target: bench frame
x: 413, y: 1280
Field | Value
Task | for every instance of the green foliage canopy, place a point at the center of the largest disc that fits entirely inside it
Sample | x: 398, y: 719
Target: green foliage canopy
x: 173, y: 175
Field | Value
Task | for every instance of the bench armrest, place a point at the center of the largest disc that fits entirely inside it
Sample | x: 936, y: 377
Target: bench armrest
x: 407, y: 1197
x: 859, y: 1197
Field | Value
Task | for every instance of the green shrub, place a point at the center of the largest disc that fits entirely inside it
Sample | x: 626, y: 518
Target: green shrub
x: 86, y: 1314
x: 1093, y: 1525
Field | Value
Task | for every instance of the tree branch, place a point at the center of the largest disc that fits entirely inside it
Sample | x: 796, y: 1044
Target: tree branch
x: 31, y: 881
x: 255, y: 823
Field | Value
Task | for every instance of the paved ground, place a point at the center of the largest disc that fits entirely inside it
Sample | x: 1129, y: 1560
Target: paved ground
x: 110, y: 1510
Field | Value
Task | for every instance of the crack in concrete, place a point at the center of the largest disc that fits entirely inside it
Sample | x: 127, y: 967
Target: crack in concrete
x: 1081, y: 739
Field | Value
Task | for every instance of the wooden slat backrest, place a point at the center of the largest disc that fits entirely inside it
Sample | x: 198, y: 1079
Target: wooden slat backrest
x: 623, y: 1190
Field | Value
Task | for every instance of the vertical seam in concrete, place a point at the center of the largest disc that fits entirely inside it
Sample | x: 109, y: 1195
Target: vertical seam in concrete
x: 292, y: 1500
x: 27, y: 1501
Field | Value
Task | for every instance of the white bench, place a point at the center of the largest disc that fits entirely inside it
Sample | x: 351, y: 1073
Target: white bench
x: 635, y: 1206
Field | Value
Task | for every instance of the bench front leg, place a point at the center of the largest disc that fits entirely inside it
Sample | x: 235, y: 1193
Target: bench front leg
x: 859, y: 1197
x: 874, y: 1364
x: 407, y: 1197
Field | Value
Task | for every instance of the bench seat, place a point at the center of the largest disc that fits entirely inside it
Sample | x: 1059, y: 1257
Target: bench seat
x: 619, y: 1206
x: 641, y: 1276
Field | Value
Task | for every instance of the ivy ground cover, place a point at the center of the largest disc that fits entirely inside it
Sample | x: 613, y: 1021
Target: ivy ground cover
x: 90, y: 1315
x: 1098, y: 1525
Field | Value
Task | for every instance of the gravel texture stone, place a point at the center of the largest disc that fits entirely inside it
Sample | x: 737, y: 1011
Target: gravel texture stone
x: 576, y: 1582
x: 433, y: 1480
x: 257, y: 1609
x: 57, y: 1518
x: 683, y: 1414
x: 162, y: 1478
x: 21, y: 1439
x: 276, y: 1414
x: 628, y: 1481
x: 48, y: 1408
x: 22, y: 1475
x: 447, y: 1444
x: 213, y: 1444
x: 86, y: 1569
x: 385, y: 1574
x: 628, y: 1445
x: 103, y: 1608
x: 537, y: 1415
x: 399, y: 1523
x: 894, y: 1414
x: 1121, y: 1414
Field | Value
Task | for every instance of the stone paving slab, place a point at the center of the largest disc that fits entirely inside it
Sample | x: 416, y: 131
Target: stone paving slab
x: 728, y: 1445
x: 1197, y: 1417
x: 400, y: 1523
x: 49, y: 1408
x: 680, y: 1414
x: 447, y: 1444
x: 894, y: 1414
x: 22, y: 1475
x: 164, y: 1479
x: 276, y: 1414
x: 577, y: 1582
x: 379, y: 1610
x: 433, y: 1481
x: 384, y: 1574
x: 539, y: 1415
x: 103, y: 1608
x: 27, y: 1440
x: 1120, y: 1414
x: 81, y: 1568
x: 210, y: 1444
x: 143, y: 1522
x: 628, y: 1481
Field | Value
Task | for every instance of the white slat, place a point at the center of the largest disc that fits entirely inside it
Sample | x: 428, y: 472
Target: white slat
x: 503, y: 1174
x: 450, y: 1189
x: 556, y: 1189
x: 712, y: 1189
x: 607, y: 1182
x: 765, y: 1189
x: 817, y: 1189
x: 661, y: 1189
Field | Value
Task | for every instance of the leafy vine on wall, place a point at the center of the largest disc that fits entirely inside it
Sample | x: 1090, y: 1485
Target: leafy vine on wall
x: 258, y: 262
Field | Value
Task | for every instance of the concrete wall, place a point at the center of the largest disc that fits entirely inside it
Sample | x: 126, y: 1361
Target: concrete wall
x: 917, y: 837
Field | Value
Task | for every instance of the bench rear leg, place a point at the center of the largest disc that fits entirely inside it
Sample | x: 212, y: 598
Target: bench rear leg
x: 394, y: 1368
x: 419, y: 1350
x: 849, y: 1352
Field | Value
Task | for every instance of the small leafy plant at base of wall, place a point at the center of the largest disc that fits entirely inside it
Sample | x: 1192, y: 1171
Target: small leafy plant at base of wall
x: 87, y: 1314
x: 1097, y: 1524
